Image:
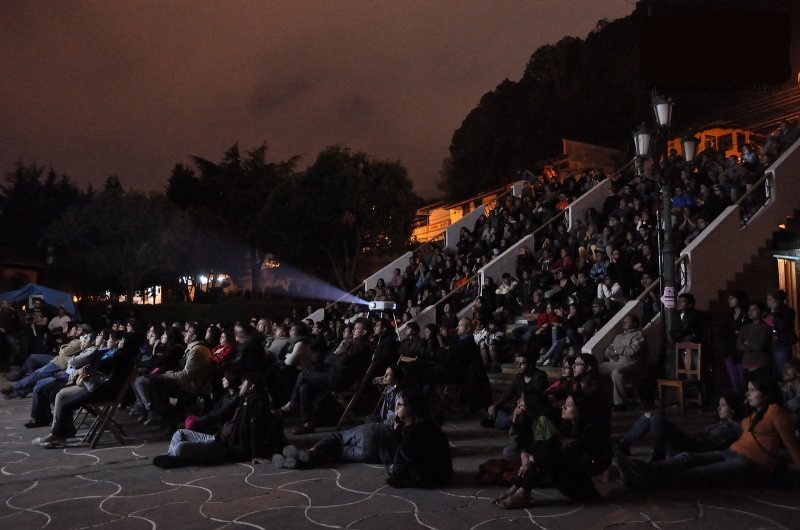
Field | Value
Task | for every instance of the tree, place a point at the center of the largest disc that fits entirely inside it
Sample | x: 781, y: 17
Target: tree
x: 31, y: 199
x: 344, y: 206
x: 226, y: 197
x: 122, y: 237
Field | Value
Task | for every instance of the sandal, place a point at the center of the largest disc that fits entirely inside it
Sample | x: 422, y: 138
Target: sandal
x: 516, y: 502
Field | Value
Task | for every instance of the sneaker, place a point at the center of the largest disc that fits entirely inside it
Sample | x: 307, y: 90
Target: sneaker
x: 55, y: 443
x: 13, y: 376
x: 169, y: 461
x: 277, y: 461
x: 290, y: 451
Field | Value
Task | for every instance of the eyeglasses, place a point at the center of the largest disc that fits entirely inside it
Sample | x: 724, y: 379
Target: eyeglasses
x: 579, y: 363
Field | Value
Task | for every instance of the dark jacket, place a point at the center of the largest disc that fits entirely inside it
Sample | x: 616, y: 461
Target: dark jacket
x: 352, y: 365
x: 690, y: 327
x: 423, y: 459
x: 252, y: 431
x: 385, y: 351
x: 118, y: 368
x: 783, y: 325
x: 221, y: 412
x: 532, y: 389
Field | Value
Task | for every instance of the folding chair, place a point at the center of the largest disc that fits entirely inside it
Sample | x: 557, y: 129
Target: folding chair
x: 350, y: 396
x: 103, y: 413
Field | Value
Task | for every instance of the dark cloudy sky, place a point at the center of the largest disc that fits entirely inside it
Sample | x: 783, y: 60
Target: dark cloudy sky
x: 133, y: 87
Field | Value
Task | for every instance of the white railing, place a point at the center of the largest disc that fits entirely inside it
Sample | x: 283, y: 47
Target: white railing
x: 723, y: 248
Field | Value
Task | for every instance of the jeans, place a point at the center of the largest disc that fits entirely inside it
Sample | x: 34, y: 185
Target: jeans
x: 34, y: 363
x: 68, y: 400
x: 622, y: 372
x: 307, y: 387
x: 141, y: 388
x: 713, y: 469
x: 196, y: 446
x: 663, y: 432
x: 44, y: 393
x: 371, y: 443
x: 27, y: 383
x: 781, y: 353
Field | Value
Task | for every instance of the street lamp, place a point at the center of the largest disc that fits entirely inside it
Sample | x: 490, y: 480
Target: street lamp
x: 662, y: 108
x: 642, y: 138
x: 690, y: 143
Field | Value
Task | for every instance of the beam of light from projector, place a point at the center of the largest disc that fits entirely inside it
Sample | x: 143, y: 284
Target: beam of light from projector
x: 285, y: 280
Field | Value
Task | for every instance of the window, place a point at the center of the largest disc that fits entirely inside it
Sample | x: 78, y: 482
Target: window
x: 725, y: 142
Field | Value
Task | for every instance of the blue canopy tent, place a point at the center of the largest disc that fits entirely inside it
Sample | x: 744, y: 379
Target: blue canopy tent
x: 51, y: 297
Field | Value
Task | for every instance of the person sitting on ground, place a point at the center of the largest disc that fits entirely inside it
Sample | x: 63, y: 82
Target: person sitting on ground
x: 750, y: 461
x: 581, y: 456
x: 529, y: 382
x: 557, y: 392
x: 415, y: 451
x: 422, y: 458
x: 191, y: 380
x: 626, y: 359
x: 669, y: 439
x: 371, y: 443
x: 248, y: 432
x: 222, y: 410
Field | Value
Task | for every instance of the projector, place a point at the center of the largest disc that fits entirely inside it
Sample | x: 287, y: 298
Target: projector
x: 382, y: 306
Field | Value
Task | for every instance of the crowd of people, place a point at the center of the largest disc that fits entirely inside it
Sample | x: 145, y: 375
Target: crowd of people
x: 222, y: 392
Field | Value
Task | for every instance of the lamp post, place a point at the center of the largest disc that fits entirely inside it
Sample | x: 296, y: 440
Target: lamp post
x: 690, y: 143
x: 655, y: 146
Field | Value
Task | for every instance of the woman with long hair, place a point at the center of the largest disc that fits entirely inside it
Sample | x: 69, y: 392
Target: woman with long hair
x: 750, y: 461
x: 571, y: 463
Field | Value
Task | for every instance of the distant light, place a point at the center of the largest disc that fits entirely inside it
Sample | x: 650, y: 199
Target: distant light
x: 203, y: 279
x: 74, y: 298
x: 270, y: 262
x: 782, y: 226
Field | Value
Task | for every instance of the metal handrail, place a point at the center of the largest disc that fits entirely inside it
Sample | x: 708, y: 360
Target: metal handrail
x: 752, y: 189
x: 650, y: 288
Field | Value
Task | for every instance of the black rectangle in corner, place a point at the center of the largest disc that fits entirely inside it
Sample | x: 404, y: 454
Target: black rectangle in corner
x: 716, y: 49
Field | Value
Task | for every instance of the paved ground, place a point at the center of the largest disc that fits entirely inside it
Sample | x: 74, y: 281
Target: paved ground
x: 116, y: 487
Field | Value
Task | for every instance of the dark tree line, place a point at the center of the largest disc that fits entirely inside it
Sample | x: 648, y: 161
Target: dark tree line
x: 214, y: 217
x: 589, y: 90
